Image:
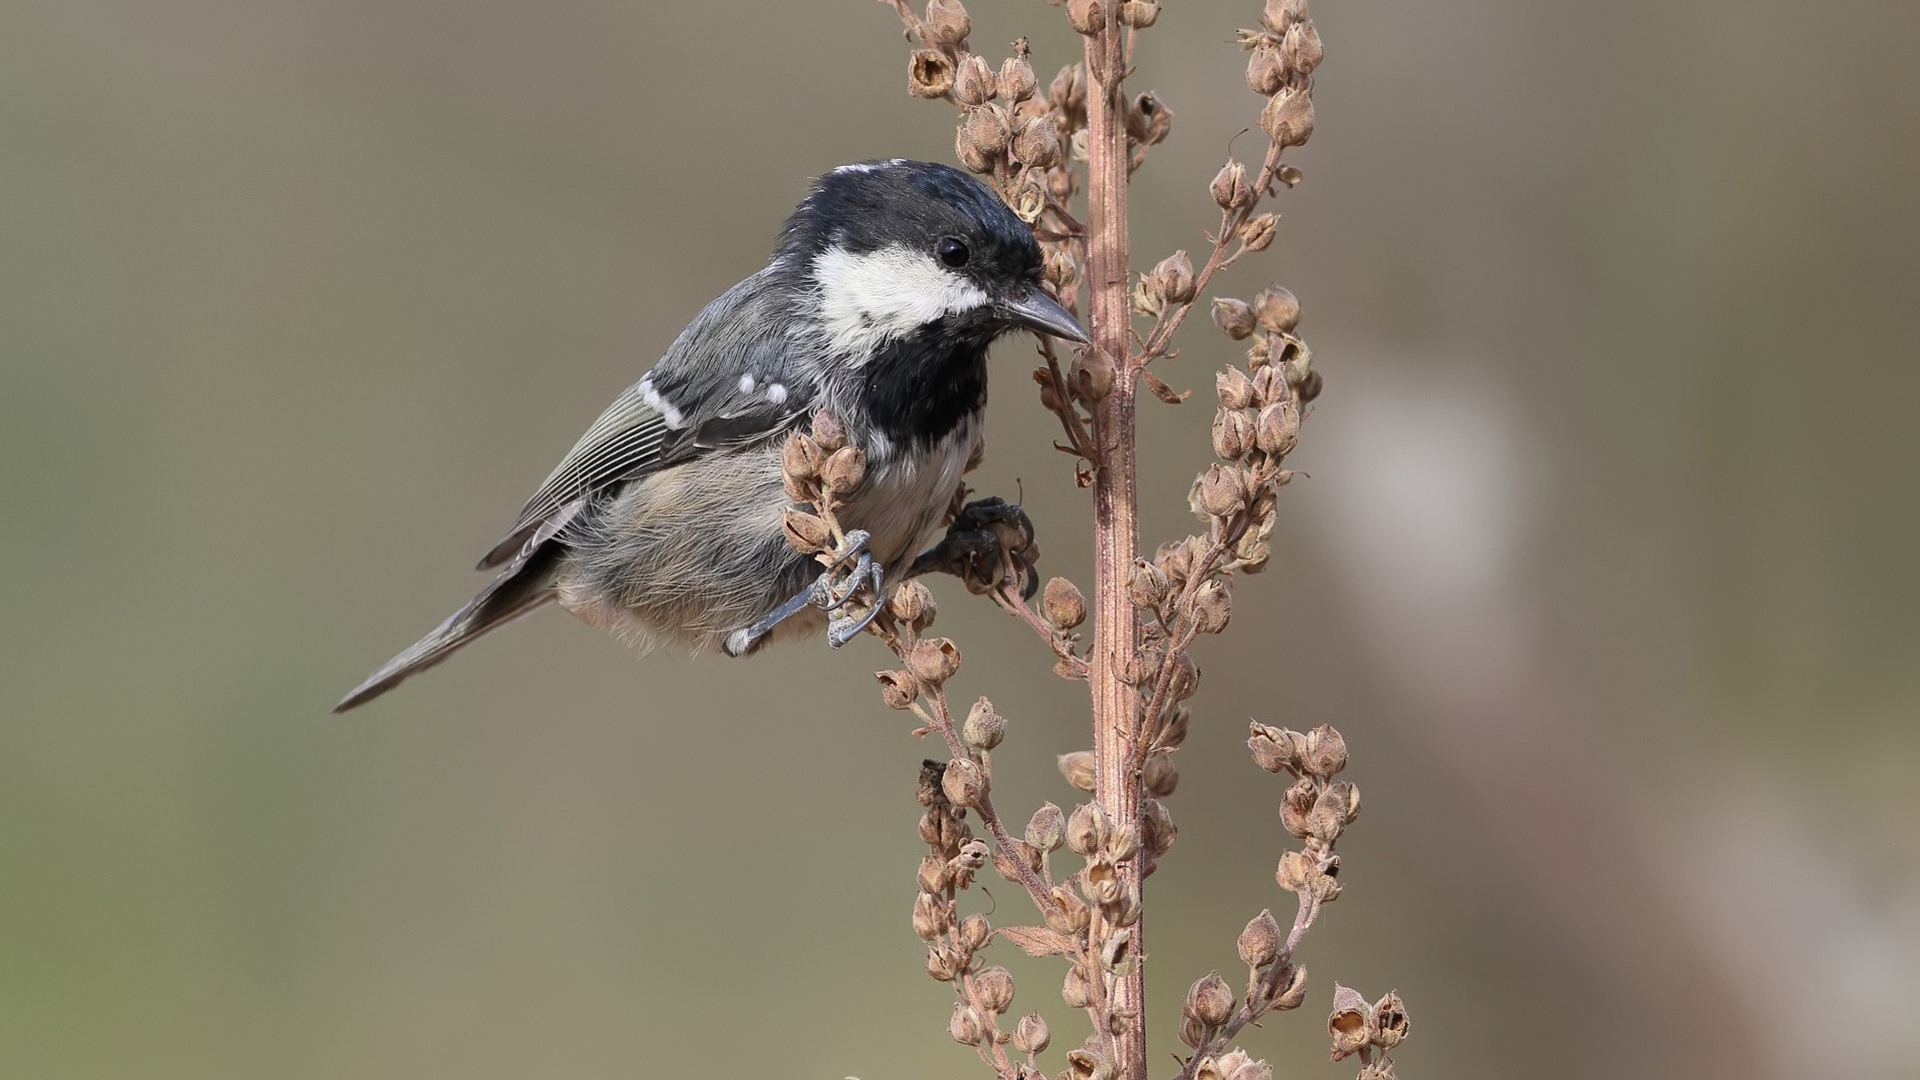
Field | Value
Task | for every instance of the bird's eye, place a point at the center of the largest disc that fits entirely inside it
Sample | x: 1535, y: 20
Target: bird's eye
x: 952, y: 251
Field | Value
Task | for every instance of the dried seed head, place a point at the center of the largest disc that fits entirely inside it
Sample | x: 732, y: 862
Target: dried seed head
x: 1258, y: 231
x: 1146, y: 586
x: 1160, y: 776
x: 1328, y: 818
x: 946, y: 25
x: 898, y: 688
x: 931, y: 916
x: 1038, y: 144
x: 1266, y: 72
x: 1068, y: 914
x: 985, y: 727
x: 1029, y: 201
x: 1086, y: 832
x: 1252, y: 1070
x: 1277, y: 309
x: 1212, y: 606
x: 1279, y: 428
x: 828, y: 432
x: 1290, y: 991
x: 965, y: 782
x: 1220, y: 492
x: 1100, y: 881
x: 973, y: 83
x: 932, y: 875
x: 1281, y: 14
x: 1269, y: 386
x: 913, y: 603
x: 800, y: 458
x: 1068, y: 91
x: 1192, y: 1032
x: 1076, y: 991
x: 1061, y: 271
x: 804, y: 532
x: 990, y: 129
x: 972, y: 158
x: 1139, y: 14
x: 1031, y: 1036
x: 1235, y: 317
x: 1173, y: 278
x: 1233, y: 434
x: 1064, y: 605
x: 1325, y: 752
x: 965, y: 1026
x: 1091, y: 375
x: 942, y: 964
x: 1121, y: 844
x: 1146, y: 300
x: 1260, y: 941
x: 1301, y: 48
x: 1047, y: 828
x: 1086, y: 16
x: 1230, y: 188
x: 1324, y: 887
x: 1387, y: 1026
x: 975, y: 931
x: 1157, y: 830
x: 1077, y: 767
x: 1209, y: 1000
x: 845, y: 469
x: 1294, y: 871
x: 993, y: 988
x: 1347, y: 1024
x: 1233, y: 386
x: 1149, y: 120
x: 1299, y: 802
x: 1016, y: 78
x: 933, y: 660
x: 929, y: 74
x: 1288, y: 117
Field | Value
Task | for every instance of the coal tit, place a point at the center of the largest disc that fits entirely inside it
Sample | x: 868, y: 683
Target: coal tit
x: 663, y: 524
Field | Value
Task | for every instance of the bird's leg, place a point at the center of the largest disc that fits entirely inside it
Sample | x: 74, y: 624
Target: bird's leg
x: 841, y: 627
x: 989, y: 543
x: 820, y: 594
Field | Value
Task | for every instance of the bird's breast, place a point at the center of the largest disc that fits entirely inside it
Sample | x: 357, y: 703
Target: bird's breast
x: 907, y: 491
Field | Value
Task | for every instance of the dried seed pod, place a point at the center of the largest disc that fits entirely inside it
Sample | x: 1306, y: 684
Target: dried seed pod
x: 1257, y: 233
x: 1077, y: 990
x: 1016, y: 78
x: 1234, y: 388
x: 1209, y: 1000
x: 985, y: 727
x: 1173, y: 278
x: 1260, y: 941
x: 1139, y: 14
x: 913, y: 603
x: 1047, y: 828
x: 1160, y: 776
x: 1387, y: 1025
x: 1290, y: 990
x: 804, y: 532
x: 1060, y: 270
x: 1347, y: 1024
x: 1030, y: 1035
x: 1077, y: 767
x: 829, y: 434
x: 1037, y: 145
x: 1235, y: 317
x: 933, y: 660
x: 1192, y: 1032
x: 898, y: 688
x: 1294, y: 871
x: 1149, y: 120
x: 1063, y: 604
x: 1230, y: 188
x: 1086, y: 831
x: 1325, y: 752
x: 1220, y: 492
x: 1297, y: 804
x: 1301, y: 49
x: 989, y: 128
x: 1311, y: 386
x: 973, y: 855
x: 973, y: 82
x: 972, y: 158
x: 1157, y: 830
x: 801, y: 458
x: 965, y: 782
x: 942, y: 964
x: 1100, y: 881
x: 1266, y: 72
x: 845, y: 469
x: 1288, y: 117
x: 1069, y: 914
x: 965, y: 1026
x: 1279, y: 428
x: 1352, y: 793
x: 993, y: 989
x: 1068, y: 91
x: 1328, y: 818
x: 933, y: 876
x: 1176, y: 732
x: 946, y: 25
x: 931, y: 916
x: 1324, y: 887
x: 1269, y: 386
x: 1092, y: 375
x: 1277, y: 309
x: 1233, y: 434
x: 1281, y: 14
x: 1146, y: 300
x: 1146, y: 586
x: 1212, y: 607
x: 1086, y: 16
x: 929, y: 74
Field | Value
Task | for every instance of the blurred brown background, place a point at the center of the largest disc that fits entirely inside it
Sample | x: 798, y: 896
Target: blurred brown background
x: 1607, y: 566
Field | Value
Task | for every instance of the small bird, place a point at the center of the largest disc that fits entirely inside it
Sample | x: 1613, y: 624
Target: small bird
x: 664, y: 523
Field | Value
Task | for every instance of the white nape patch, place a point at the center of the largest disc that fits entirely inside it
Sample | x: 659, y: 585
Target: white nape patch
x: 746, y: 383
x: 867, y: 300
x: 659, y: 404
x: 776, y: 392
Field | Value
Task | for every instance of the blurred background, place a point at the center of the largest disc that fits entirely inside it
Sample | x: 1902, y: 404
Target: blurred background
x: 1607, y: 564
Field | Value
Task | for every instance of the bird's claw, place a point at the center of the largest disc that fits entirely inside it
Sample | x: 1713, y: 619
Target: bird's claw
x: 989, y: 543
x: 840, y: 628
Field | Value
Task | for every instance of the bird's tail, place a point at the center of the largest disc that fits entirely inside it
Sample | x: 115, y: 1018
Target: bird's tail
x: 519, y: 590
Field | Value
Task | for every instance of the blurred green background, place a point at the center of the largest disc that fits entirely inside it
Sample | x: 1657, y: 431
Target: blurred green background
x: 1607, y: 566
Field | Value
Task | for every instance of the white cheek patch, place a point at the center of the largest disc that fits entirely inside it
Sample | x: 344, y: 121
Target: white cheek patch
x: 867, y: 300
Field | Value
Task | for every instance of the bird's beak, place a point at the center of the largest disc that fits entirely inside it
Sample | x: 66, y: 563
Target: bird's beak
x: 1035, y: 310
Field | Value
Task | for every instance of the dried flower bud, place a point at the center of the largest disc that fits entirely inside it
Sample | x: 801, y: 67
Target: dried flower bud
x: 990, y: 129
x: 1257, y: 233
x: 965, y: 1027
x: 1086, y: 832
x: 1047, y: 828
x: 845, y: 469
x: 912, y: 603
x: 1233, y: 386
x: 931, y: 916
x: 1277, y: 309
x: 1077, y: 767
x: 1281, y: 14
x: 984, y: 727
x: 933, y: 660
x: 1077, y: 991
x: 1266, y: 72
x: 1031, y: 1036
x: 1387, y: 1025
x: 1157, y: 830
x: 1086, y: 16
x: 829, y: 434
x: 1326, y: 752
x: 1260, y: 941
x: 1209, y: 1000
x: 1173, y: 278
x: 1146, y: 586
x: 974, y: 933
x: 965, y: 782
x: 1288, y: 117
x: 1219, y: 492
x: 1294, y: 871
x: 993, y: 989
x: 1016, y: 79
x: 1328, y: 818
x: 1212, y: 606
x: 946, y: 25
x: 1233, y: 434
x: 804, y: 532
x: 898, y: 688
x: 1160, y: 776
x: 800, y: 459
x: 1063, y: 604
x: 1290, y: 990
x: 973, y: 82
x: 1149, y: 120
x: 1279, y: 428
x: 942, y: 964
x: 1091, y: 375
x: 971, y: 156
x: 1038, y: 144
x: 1347, y: 1024
x: 1230, y: 188
x: 1301, y: 49
x: 1235, y: 317
x: 929, y: 74
x: 933, y: 876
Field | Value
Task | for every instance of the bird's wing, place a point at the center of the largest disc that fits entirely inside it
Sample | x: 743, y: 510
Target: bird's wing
x: 675, y: 413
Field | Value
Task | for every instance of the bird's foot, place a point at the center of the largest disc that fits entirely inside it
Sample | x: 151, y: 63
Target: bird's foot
x: 989, y: 544
x: 837, y: 586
